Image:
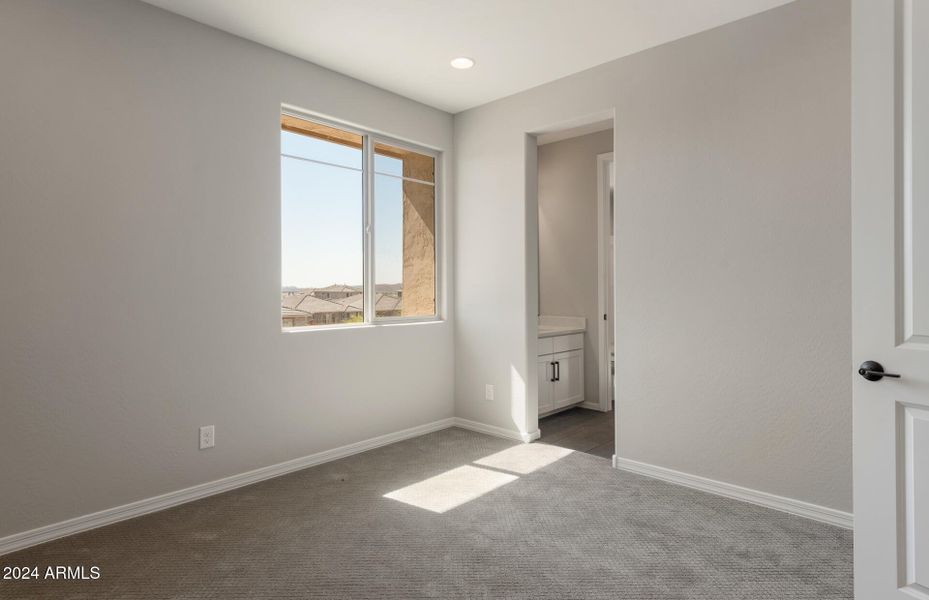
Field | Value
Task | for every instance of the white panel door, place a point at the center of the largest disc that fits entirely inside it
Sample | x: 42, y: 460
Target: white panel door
x: 569, y: 377
x: 890, y: 296
x: 546, y: 371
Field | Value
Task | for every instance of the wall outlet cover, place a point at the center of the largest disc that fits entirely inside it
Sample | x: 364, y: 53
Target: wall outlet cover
x: 488, y: 392
x: 207, y: 437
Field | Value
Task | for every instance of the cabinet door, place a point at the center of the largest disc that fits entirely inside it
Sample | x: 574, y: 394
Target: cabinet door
x: 545, y: 384
x: 569, y: 387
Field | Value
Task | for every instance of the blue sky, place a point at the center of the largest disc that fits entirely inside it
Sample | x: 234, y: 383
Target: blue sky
x: 321, y: 215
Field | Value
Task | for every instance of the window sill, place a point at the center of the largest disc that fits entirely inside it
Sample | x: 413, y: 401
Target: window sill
x: 357, y: 326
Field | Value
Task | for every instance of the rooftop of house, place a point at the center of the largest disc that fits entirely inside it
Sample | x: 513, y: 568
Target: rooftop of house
x: 304, y: 302
x: 338, y: 287
x: 311, y: 304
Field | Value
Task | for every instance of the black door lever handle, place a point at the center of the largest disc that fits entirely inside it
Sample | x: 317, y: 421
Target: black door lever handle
x: 874, y: 371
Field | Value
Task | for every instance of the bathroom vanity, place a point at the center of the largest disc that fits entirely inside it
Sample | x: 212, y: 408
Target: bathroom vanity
x: 561, y: 362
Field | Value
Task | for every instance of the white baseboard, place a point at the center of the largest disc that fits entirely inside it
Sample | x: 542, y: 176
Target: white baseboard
x: 18, y: 541
x: 729, y: 490
x: 531, y: 437
x: 497, y: 431
x: 592, y: 406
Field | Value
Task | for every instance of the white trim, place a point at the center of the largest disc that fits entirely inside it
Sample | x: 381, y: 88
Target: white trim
x: 604, y: 226
x: 569, y: 128
x: 729, y: 490
x: 495, y: 431
x: 388, y: 322
x: 18, y: 541
x: 566, y: 134
x: 369, y: 297
x: 47, y: 533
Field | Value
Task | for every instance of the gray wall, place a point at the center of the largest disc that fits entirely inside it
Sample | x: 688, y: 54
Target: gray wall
x: 568, y: 252
x: 732, y: 257
x: 140, y: 261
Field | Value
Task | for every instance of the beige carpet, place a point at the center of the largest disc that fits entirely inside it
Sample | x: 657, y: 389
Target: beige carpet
x: 455, y: 514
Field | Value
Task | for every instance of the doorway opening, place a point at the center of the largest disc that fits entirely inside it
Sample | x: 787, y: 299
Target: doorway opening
x: 574, y: 337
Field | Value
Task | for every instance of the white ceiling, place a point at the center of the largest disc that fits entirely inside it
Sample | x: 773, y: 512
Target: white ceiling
x: 405, y: 45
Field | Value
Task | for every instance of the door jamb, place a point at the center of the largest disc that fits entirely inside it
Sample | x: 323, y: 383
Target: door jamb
x: 604, y: 227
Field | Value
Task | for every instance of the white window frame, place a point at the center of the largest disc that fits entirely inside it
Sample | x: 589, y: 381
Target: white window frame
x: 369, y: 139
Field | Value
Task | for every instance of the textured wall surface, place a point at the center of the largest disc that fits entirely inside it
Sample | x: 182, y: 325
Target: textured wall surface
x: 732, y: 257
x: 568, y: 243
x: 418, y: 236
x: 140, y: 236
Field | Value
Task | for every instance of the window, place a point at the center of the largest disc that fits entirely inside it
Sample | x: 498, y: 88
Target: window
x: 358, y: 227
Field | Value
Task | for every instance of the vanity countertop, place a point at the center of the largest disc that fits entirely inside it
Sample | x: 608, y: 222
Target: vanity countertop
x: 551, y: 326
x: 554, y: 330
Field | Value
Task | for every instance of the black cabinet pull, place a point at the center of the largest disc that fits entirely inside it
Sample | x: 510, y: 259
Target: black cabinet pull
x: 557, y: 370
x: 552, y: 378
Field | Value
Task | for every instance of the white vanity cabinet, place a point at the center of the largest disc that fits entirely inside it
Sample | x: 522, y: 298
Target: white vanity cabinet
x: 561, y: 371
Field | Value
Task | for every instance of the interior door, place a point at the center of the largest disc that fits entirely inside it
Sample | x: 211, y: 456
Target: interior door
x: 890, y: 296
x: 546, y: 371
x: 569, y: 374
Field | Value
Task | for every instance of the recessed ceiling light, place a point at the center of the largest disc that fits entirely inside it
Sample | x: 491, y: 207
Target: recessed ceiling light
x: 462, y: 62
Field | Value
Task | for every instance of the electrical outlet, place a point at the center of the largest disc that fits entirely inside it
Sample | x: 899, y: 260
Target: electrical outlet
x: 207, y: 437
x: 488, y: 392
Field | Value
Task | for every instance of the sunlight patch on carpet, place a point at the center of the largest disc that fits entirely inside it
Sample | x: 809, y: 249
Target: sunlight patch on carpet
x: 525, y: 458
x: 451, y: 488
